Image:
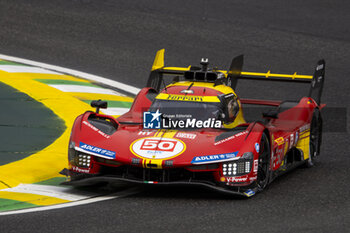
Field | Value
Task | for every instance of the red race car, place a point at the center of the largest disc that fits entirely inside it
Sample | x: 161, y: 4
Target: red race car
x: 193, y: 132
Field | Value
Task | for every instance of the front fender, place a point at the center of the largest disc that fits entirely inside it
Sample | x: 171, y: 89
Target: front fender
x: 253, y: 138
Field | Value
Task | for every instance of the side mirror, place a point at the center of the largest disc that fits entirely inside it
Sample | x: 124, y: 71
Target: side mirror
x: 224, y: 114
x: 98, y: 104
x: 230, y: 106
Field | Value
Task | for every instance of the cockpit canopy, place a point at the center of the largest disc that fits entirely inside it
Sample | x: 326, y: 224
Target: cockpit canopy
x: 186, y: 109
x: 224, y: 108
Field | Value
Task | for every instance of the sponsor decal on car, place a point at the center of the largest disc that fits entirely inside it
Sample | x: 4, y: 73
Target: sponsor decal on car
x: 231, y: 137
x: 279, y: 141
x: 191, y: 98
x: 186, y: 135
x: 249, y: 193
x: 157, y: 148
x: 296, y: 137
x: 214, y: 158
x: 97, y: 151
x: 291, y: 140
x: 255, y: 165
x: 257, y: 147
x: 96, y: 129
x: 185, y: 98
x: 237, y: 179
x: 144, y: 133
x: 82, y: 170
x: 278, y: 157
x: 319, y: 67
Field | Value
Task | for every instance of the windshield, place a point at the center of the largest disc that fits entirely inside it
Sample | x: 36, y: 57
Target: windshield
x: 176, y: 110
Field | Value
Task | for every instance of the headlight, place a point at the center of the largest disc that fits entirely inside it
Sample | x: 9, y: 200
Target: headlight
x: 77, y: 158
x: 83, y: 160
x: 238, y: 167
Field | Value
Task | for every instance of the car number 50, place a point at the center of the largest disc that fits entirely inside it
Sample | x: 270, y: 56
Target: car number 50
x: 158, y: 145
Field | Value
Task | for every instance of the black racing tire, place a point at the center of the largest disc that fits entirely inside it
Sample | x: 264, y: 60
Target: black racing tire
x: 263, y: 177
x: 315, y: 138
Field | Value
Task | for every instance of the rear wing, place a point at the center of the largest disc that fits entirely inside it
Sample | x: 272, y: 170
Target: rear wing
x: 234, y: 74
x: 316, y: 81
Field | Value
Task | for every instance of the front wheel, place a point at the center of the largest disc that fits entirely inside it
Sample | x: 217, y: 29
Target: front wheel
x: 263, y: 163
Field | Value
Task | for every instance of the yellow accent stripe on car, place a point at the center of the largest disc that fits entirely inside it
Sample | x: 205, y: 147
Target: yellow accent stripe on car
x: 304, y: 132
x: 221, y: 88
x: 279, y: 141
x: 269, y: 74
x: 165, y: 133
x: 159, y: 63
x: 191, y: 98
x: 245, y: 73
x: 157, y: 162
x: 169, y: 133
x: 177, y: 68
x: 304, y: 144
x: 158, y: 60
x: 158, y: 133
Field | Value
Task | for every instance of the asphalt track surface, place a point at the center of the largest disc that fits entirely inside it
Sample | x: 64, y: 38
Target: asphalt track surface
x: 118, y: 40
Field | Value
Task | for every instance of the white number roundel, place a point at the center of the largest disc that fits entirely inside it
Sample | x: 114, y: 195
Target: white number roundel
x: 157, y: 148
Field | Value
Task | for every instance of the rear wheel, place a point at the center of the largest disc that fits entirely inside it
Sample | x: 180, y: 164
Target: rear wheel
x: 315, y: 137
x: 264, y: 163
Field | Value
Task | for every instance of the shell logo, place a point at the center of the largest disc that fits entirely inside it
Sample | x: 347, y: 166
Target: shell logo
x: 157, y: 148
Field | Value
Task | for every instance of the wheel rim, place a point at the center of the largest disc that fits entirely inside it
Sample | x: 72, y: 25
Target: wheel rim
x: 263, y: 163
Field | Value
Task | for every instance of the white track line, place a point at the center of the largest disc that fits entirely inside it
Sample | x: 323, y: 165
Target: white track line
x: 124, y: 193
x: 115, y: 111
x: 26, y: 69
x: 65, y: 193
x: 59, y: 206
x: 105, y: 81
x: 85, y: 89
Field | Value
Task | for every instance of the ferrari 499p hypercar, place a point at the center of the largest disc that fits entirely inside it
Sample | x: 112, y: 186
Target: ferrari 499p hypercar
x: 193, y: 131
